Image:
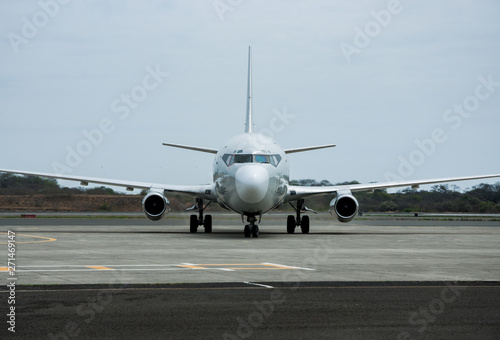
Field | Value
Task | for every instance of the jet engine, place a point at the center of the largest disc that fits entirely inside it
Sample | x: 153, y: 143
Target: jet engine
x: 345, y: 207
x: 155, y: 205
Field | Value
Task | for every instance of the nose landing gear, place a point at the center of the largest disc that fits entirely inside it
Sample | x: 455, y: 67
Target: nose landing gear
x: 251, y: 229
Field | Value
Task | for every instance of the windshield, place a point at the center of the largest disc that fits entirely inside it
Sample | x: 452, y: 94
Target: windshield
x: 230, y: 159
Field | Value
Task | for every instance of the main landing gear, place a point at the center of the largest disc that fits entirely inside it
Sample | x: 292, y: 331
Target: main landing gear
x: 197, y: 220
x: 293, y: 222
x: 251, y: 229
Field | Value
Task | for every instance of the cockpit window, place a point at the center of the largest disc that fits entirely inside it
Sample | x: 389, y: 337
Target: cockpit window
x: 230, y: 159
x: 261, y: 158
x: 226, y: 158
x: 242, y: 158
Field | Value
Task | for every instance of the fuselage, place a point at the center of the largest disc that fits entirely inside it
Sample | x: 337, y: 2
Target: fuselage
x: 251, y: 174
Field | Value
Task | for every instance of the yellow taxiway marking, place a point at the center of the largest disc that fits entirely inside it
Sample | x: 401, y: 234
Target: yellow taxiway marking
x: 246, y: 266
x: 154, y: 267
x: 99, y: 267
x: 252, y: 268
x: 191, y: 266
x: 43, y: 239
x: 4, y: 269
x: 278, y: 266
x: 230, y: 264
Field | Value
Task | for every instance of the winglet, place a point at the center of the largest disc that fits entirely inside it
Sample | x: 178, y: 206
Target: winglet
x: 249, y: 119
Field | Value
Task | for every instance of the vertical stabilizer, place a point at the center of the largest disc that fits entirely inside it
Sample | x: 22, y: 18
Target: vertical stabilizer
x: 249, y: 119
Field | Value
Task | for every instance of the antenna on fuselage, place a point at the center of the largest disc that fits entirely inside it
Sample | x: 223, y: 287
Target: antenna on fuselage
x: 249, y: 119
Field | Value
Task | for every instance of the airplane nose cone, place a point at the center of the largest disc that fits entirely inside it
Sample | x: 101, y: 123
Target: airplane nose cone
x: 252, y: 182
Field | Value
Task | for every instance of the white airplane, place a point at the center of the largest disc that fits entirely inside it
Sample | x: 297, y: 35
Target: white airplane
x: 250, y: 177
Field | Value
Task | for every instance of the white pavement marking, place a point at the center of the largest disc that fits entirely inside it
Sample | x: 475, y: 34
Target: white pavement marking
x: 258, y: 284
x: 285, y: 267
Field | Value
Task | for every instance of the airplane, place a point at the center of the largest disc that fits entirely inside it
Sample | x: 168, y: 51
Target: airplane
x: 250, y: 178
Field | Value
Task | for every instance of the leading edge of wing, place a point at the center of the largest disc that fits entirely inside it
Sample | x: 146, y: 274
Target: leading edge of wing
x: 310, y: 148
x: 299, y: 192
x: 202, y: 191
x: 194, y: 148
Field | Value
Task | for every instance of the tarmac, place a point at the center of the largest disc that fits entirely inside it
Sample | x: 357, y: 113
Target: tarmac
x: 374, y: 277
x: 100, y: 250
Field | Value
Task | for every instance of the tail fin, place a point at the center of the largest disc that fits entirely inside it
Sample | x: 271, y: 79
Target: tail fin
x: 249, y: 119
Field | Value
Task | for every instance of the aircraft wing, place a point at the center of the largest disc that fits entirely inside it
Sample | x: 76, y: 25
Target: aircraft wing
x: 300, y: 192
x: 201, y: 191
x: 194, y: 148
x: 310, y: 148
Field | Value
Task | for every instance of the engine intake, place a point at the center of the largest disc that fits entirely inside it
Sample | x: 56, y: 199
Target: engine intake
x: 345, y: 207
x: 155, y: 205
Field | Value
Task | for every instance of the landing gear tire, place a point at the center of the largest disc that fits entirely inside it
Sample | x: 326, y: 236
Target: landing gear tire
x: 255, y: 231
x: 208, y: 224
x: 193, y: 224
x: 247, y: 231
x: 304, y: 225
x: 290, y: 224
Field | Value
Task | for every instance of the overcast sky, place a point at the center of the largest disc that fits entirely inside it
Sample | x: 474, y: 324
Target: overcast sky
x: 406, y: 89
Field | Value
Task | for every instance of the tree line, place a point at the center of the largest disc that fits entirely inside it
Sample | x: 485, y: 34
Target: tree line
x: 482, y: 198
x: 29, y: 185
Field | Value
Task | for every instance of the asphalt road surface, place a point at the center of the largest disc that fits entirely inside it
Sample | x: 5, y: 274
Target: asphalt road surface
x: 327, y: 310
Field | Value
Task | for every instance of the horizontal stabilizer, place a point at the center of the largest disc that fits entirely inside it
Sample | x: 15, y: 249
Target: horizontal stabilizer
x: 309, y: 148
x: 195, y: 148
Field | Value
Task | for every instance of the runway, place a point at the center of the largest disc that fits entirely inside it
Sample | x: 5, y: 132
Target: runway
x: 374, y: 278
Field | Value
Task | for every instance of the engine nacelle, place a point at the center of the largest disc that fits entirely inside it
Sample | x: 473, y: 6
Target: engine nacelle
x: 155, y: 205
x: 345, y: 207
